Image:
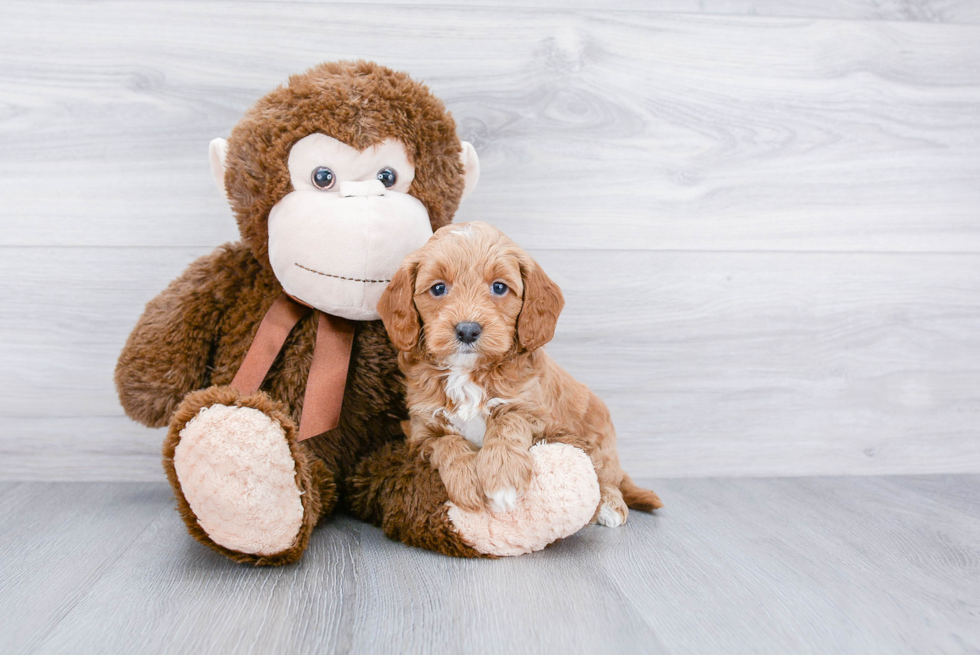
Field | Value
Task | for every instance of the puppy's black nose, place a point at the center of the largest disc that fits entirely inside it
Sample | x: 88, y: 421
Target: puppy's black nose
x: 467, y: 332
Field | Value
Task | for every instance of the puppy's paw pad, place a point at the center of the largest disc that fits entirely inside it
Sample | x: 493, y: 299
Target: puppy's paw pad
x: 503, y: 500
x: 612, y: 514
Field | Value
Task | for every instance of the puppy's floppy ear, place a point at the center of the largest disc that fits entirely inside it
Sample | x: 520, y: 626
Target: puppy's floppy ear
x: 543, y: 303
x: 397, y: 306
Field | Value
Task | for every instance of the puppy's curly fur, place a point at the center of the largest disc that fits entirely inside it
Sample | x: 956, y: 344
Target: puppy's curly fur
x: 478, y: 404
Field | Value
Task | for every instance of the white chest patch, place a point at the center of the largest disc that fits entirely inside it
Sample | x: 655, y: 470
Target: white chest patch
x: 472, y: 407
x: 469, y: 417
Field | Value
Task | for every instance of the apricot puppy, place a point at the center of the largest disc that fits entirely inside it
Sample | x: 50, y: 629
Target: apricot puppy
x: 470, y: 312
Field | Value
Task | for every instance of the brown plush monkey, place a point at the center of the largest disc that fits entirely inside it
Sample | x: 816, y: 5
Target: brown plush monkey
x: 333, y: 178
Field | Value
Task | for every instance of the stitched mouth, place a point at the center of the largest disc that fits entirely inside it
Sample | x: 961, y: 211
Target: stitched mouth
x: 341, y: 277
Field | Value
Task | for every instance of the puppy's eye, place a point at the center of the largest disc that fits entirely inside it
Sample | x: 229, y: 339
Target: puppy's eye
x: 439, y: 289
x: 323, y: 178
x: 498, y: 288
x: 388, y: 177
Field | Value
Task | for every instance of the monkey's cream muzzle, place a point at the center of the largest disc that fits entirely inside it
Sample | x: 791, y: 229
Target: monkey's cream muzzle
x: 336, y: 246
x: 337, y: 252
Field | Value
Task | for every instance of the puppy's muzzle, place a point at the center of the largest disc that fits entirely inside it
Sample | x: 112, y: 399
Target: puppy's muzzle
x: 468, y: 332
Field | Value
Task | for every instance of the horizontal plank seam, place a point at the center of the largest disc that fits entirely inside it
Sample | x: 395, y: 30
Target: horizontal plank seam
x: 708, y: 251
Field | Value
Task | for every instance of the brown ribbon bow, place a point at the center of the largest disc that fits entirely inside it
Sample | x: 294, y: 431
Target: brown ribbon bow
x: 328, y: 373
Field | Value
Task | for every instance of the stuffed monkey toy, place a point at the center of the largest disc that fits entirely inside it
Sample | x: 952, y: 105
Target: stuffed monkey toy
x: 267, y: 360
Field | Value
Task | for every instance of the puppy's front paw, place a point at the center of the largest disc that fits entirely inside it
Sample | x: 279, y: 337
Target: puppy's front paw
x: 504, y: 474
x: 462, y: 484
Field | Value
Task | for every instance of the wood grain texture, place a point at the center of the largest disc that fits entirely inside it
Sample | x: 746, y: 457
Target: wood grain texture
x: 817, y: 565
x: 83, y: 448
x: 764, y: 215
x: 56, y: 541
x: 596, y: 129
x: 843, y: 565
x: 959, y: 492
x: 931, y: 11
x: 712, y: 363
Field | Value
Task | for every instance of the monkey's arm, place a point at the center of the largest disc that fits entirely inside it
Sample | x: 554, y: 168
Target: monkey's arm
x: 167, y: 354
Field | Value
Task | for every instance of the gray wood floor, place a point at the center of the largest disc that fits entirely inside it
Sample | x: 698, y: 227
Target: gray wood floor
x: 814, y: 565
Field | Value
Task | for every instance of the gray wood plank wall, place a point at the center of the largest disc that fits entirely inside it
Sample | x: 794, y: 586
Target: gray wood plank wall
x: 765, y: 215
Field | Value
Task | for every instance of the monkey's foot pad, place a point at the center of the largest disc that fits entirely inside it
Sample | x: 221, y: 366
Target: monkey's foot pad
x: 561, y: 500
x: 239, y: 478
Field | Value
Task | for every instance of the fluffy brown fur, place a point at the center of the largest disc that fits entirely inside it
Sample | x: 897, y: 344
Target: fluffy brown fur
x: 526, y: 395
x: 195, y: 334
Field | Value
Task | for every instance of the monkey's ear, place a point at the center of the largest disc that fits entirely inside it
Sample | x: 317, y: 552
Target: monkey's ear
x: 543, y: 302
x: 397, y: 306
x: 471, y: 168
x: 218, y: 153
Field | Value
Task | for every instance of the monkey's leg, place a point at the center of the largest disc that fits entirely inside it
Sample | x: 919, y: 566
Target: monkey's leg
x: 396, y: 489
x: 244, y: 485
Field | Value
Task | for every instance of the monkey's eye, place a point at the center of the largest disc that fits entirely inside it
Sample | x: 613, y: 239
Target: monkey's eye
x: 498, y: 288
x: 388, y: 177
x: 439, y: 289
x: 323, y: 178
